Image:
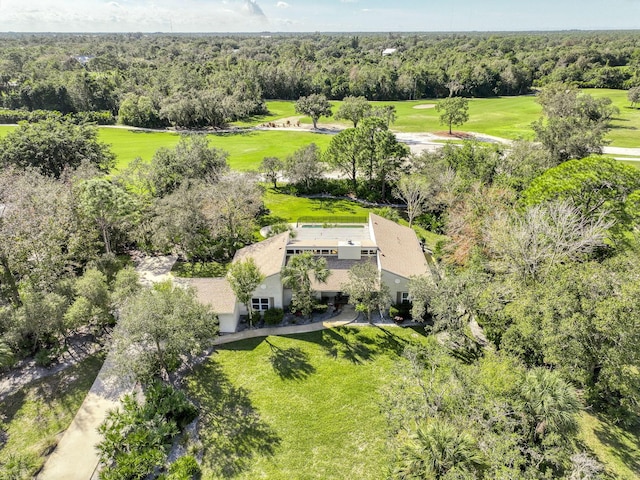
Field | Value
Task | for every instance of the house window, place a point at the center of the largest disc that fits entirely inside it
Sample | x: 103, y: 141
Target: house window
x: 404, y: 297
x: 260, y: 304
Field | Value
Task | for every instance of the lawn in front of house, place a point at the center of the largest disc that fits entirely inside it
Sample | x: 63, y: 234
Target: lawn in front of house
x: 33, y: 416
x: 302, y: 406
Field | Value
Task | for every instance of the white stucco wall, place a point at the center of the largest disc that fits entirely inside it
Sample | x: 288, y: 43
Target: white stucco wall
x: 229, y: 321
x: 273, y: 290
x: 389, y: 279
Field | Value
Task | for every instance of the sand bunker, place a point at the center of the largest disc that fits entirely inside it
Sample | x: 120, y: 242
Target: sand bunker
x: 425, y: 106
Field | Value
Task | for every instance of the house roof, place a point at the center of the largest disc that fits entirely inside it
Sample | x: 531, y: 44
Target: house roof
x: 215, y: 292
x: 269, y: 254
x: 399, y: 248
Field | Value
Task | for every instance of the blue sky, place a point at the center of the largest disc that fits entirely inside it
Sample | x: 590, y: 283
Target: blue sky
x: 314, y: 15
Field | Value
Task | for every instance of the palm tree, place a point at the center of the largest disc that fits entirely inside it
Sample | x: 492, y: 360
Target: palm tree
x: 296, y: 275
x: 436, y: 449
x: 549, y: 404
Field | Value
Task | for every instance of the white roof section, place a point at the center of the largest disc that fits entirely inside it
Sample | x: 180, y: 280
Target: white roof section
x: 317, y: 236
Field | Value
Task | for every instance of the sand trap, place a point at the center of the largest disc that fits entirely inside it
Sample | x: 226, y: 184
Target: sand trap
x: 425, y: 106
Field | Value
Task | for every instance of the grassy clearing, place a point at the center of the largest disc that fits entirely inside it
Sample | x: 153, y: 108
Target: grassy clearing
x: 34, y: 415
x: 625, y: 130
x: 304, y: 406
x: 130, y: 144
x: 277, y: 109
x: 289, y: 208
x: 616, y: 448
x: 246, y: 150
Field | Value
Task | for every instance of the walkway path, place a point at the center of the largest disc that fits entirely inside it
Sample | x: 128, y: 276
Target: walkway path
x: 75, y: 456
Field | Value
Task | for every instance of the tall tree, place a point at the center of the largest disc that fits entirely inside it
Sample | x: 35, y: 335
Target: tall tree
x: 353, y: 109
x: 455, y: 111
x: 157, y: 328
x: 595, y: 185
x: 52, y: 145
x: 343, y: 153
x: 296, y: 276
x: 191, y: 159
x: 415, y: 190
x: 244, y: 277
x: 365, y: 289
x: 271, y: 168
x: 304, y: 166
x: 315, y: 106
x: 633, y: 95
x: 573, y: 124
x: 107, y: 205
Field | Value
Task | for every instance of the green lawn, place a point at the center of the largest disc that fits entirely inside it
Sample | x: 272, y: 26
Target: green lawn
x: 289, y: 208
x: 616, y: 448
x: 246, y: 150
x: 507, y: 117
x: 304, y: 406
x: 277, y: 109
x: 34, y: 415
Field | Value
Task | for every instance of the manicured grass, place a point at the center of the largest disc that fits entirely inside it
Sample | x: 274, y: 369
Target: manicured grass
x: 303, y: 406
x: 246, y: 150
x: 130, y: 144
x: 34, y: 415
x: 277, y: 109
x: 507, y: 117
x: 625, y: 130
x: 289, y: 208
x: 618, y: 449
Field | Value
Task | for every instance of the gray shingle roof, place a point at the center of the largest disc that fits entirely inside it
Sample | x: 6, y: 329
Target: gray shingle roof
x: 269, y: 254
x: 399, y: 248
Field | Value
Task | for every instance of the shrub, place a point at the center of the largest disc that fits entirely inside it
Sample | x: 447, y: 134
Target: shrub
x: 273, y: 316
x: 44, y: 358
x: 185, y: 468
x: 172, y: 404
x: 137, y: 437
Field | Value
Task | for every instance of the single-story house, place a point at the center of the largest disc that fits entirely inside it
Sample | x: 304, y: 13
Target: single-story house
x: 393, y: 248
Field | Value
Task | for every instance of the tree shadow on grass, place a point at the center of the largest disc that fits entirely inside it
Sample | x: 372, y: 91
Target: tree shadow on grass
x: 230, y: 428
x: 348, y: 344
x: 290, y: 363
x: 624, y: 443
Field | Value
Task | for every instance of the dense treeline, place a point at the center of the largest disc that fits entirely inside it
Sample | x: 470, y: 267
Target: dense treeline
x: 160, y: 80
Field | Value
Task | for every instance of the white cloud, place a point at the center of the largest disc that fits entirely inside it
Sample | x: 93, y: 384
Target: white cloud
x: 282, y: 5
x: 252, y: 8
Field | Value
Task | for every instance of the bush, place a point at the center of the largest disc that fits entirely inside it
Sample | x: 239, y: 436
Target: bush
x: 185, y: 468
x: 172, y: 404
x: 273, y: 316
x: 137, y: 437
x: 44, y: 358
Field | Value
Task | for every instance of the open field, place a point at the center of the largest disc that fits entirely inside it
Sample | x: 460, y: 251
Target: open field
x: 246, y: 150
x: 34, y: 415
x: 289, y: 208
x: 309, y: 403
